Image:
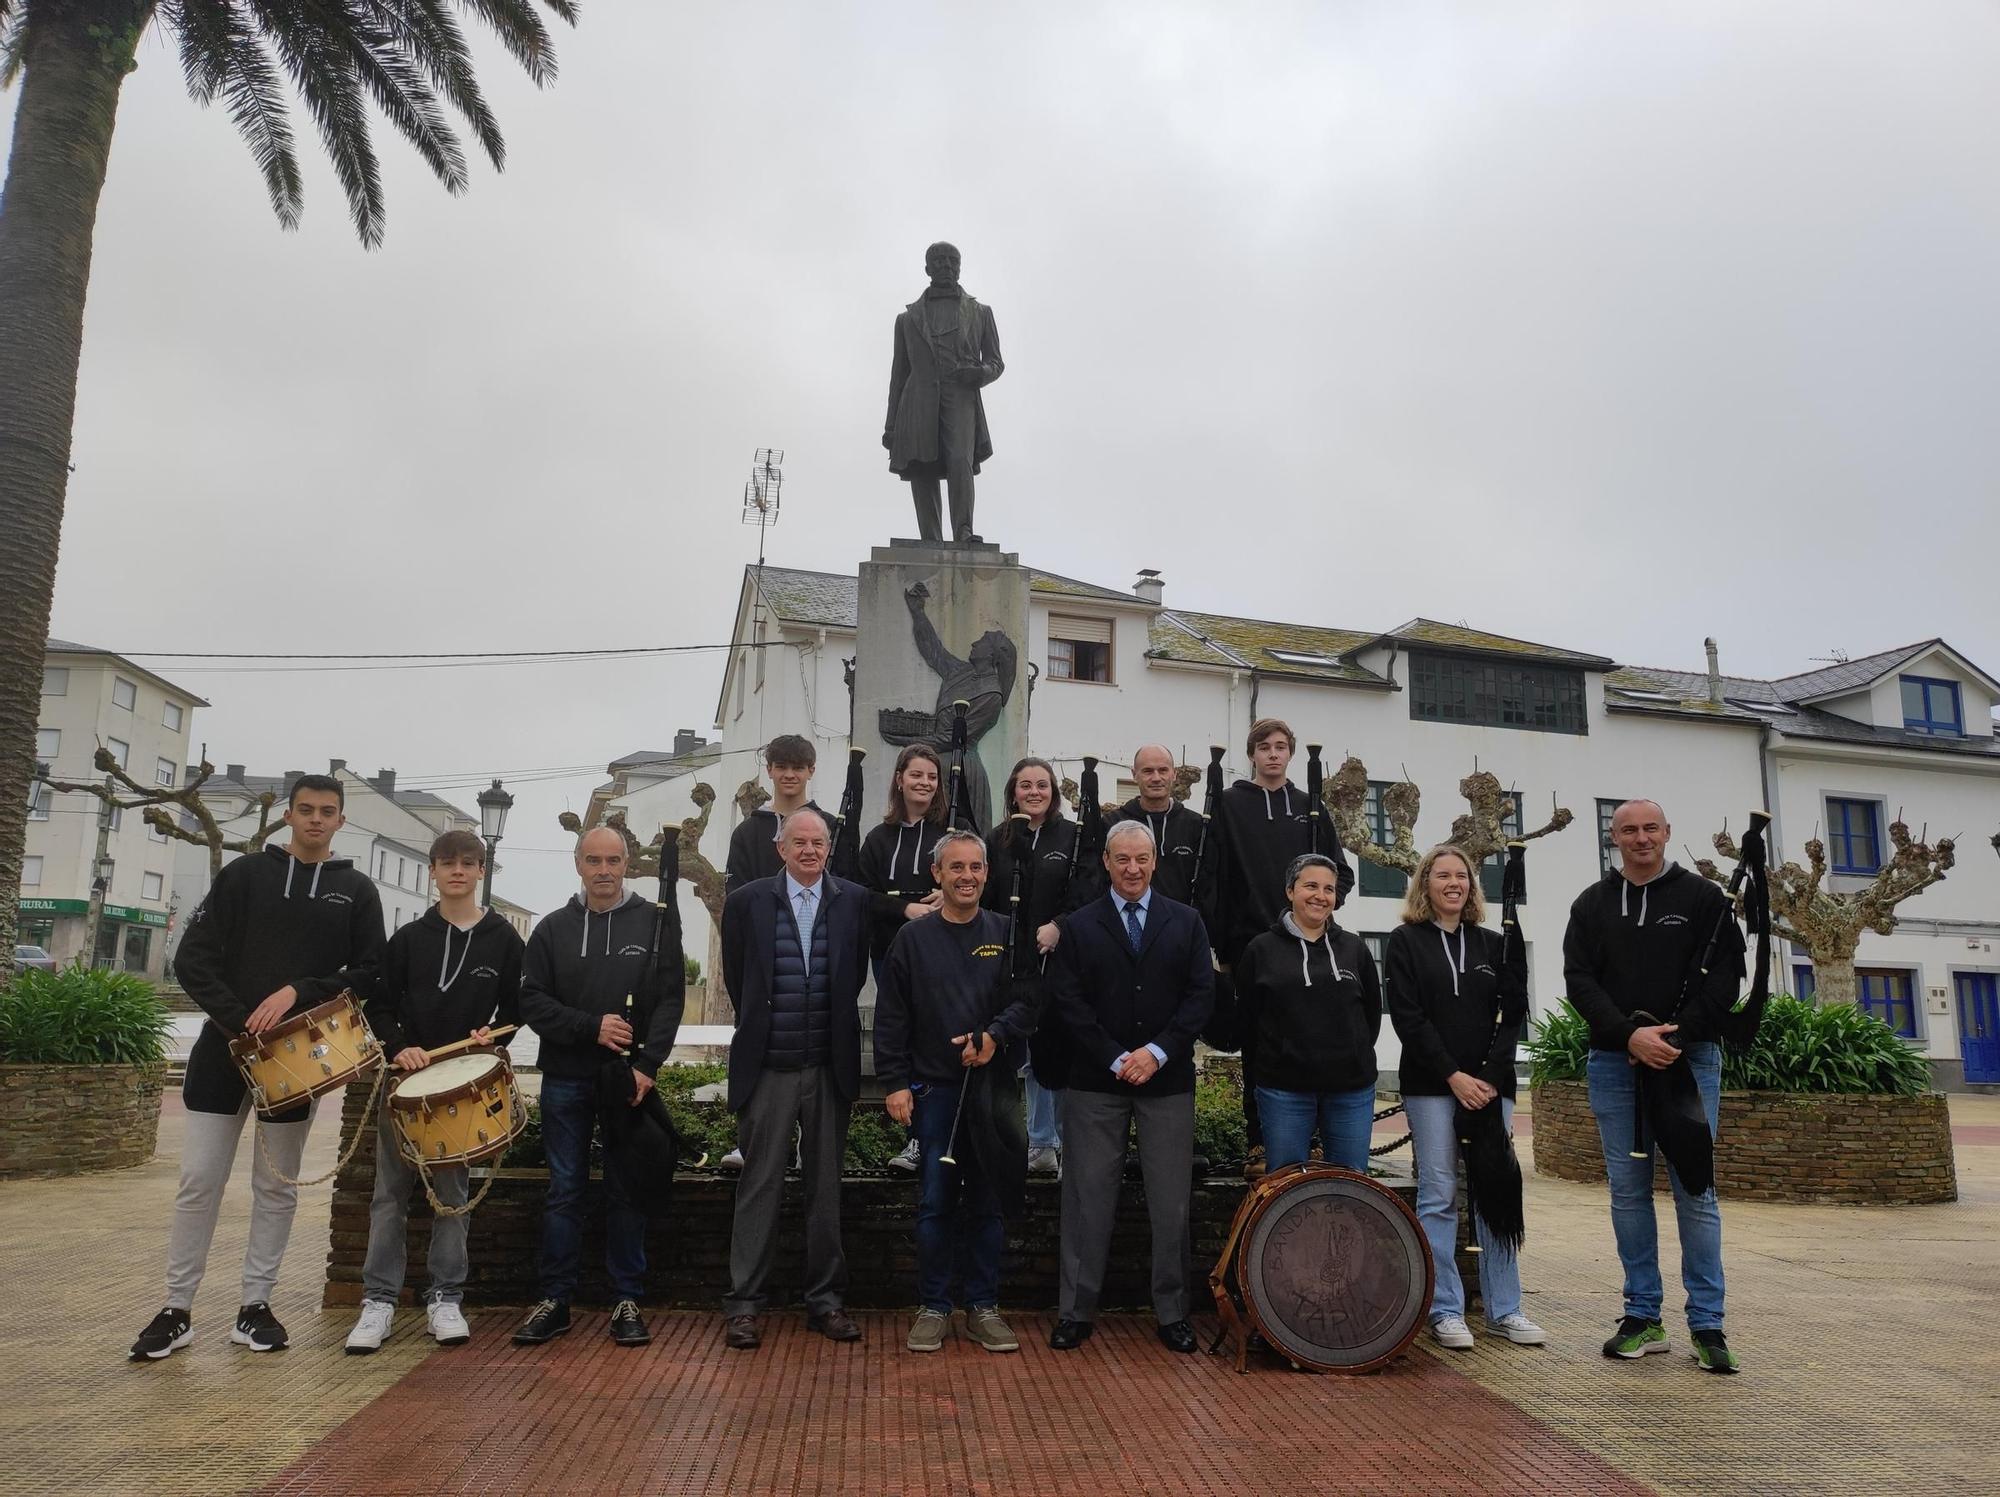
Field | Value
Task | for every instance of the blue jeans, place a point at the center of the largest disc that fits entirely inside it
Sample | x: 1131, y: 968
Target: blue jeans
x: 1434, y: 1140
x: 1344, y: 1119
x: 1044, y: 1115
x: 1612, y: 1099
x: 959, y: 1225
x: 569, y: 1114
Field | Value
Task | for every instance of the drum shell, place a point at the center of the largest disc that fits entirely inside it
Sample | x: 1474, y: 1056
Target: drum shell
x: 464, y: 1124
x: 307, y: 1055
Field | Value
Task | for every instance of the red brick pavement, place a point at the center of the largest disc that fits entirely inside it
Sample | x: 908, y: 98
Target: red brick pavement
x: 685, y: 1416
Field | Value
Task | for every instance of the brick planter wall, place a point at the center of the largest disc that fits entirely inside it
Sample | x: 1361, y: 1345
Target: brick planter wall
x: 64, y: 1120
x: 1783, y: 1146
x: 687, y: 1251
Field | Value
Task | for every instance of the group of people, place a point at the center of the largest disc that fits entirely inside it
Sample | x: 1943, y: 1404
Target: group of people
x: 1033, y: 1009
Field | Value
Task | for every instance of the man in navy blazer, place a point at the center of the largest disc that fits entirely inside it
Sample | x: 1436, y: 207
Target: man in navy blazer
x: 794, y: 956
x: 1133, y: 983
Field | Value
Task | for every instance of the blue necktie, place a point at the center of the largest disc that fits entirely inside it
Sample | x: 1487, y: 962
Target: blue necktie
x: 1134, y: 932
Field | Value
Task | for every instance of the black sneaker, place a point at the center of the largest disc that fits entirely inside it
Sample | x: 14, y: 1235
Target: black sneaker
x: 165, y: 1334
x: 548, y: 1320
x: 258, y: 1329
x: 1713, y: 1353
x: 1636, y: 1338
x: 628, y: 1326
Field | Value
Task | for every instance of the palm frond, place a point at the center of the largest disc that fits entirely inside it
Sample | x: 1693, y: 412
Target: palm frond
x: 426, y: 32
x: 221, y: 53
x: 322, y: 69
x: 522, y: 33
x: 403, y: 94
x: 13, y: 42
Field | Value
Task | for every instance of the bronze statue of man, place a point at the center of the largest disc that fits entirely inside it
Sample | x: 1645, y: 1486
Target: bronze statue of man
x: 946, y: 350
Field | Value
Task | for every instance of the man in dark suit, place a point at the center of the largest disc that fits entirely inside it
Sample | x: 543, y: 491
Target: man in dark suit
x: 794, y: 955
x: 1133, y: 983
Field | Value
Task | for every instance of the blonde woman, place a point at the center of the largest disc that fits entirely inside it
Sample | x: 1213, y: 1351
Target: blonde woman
x: 1458, y: 1007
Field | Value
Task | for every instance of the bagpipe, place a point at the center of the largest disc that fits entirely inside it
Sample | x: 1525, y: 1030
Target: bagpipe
x: 1493, y: 1187
x: 1668, y: 1106
x: 1049, y: 1047
x: 1224, y: 1028
x: 958, y: 808
x: 844, y: 858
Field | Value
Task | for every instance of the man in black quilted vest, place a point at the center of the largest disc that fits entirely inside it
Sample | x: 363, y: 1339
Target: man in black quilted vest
x: 794, y: 956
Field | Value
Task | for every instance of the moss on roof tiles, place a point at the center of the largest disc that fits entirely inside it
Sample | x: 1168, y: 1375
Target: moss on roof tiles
x: 1070, y: 587
x: 1249, y: 642
x: 1459, y: 637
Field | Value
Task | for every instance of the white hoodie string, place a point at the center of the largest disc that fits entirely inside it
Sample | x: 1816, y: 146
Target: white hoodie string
x: 1460, y: 966
x: 291, y: 867
x: 1625, y: 888
x: 313, y: 892
x: 583, y: 946
x: 444, y: 983
x: 1305, y: 950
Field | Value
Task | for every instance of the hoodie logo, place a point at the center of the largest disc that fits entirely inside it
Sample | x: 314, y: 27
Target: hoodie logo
x: 1055, y: 857
x: 632, y: 950
x: 1671, y: 920
x: 485, y: 971
x: 334, y: 896
x: 1487, y: 969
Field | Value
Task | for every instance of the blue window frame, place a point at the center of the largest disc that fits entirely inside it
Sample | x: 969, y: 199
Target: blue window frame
x: 1932, y: 706
x: 1377, y: 881
x: 1607, y: 850
x: 1889, y: 993
x: 1854, y: 835
x: 1803, y: 982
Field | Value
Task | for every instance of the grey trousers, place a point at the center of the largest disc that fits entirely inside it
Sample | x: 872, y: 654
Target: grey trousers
x: 1094, y: 1129
x: 809, y: 1099
x: 207, y: 1155
x: 389, y: 1224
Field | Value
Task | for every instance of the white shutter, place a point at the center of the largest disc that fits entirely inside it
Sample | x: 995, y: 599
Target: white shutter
x: 1081, y: 630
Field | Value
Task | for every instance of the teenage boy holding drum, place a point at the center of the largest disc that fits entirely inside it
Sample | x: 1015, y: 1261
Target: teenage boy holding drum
x: 453, y: 972
x: 277, y: 934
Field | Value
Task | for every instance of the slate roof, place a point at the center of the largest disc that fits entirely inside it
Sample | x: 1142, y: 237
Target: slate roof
x: 1050, y: 582
x: 1459, y: 638
x: 1849, y: 675
x: 71, y: 647
x: 799, y: 597
x: 1223, y: 640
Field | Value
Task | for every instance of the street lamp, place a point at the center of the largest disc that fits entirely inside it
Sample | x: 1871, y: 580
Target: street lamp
x: 494, y: 804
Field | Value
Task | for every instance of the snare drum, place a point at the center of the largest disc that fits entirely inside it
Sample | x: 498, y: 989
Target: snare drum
x: 459, y: 1110
x: 311, y: 1053
x: 1330, y: 1267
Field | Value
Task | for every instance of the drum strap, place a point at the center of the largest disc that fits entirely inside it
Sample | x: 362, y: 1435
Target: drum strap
x: 438, y: 1208
x: 374, y: 1095
x: 1226, y: 1300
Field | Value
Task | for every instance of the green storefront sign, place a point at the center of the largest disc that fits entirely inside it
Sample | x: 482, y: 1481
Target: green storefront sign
x: 121, y: 913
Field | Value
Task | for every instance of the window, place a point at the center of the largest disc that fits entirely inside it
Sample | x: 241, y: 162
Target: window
x: 163, y: 772
x: 55, y: 680
x: 154, y: 834
x: 120, y: 750
x: 31, y: 872
x: 1377, y: 881
x: 172, y: 716
x: 1607, y: 850
x: 1492, y: 694
x: 48, y: 744
x: 39, y: 796
x: 1377, y: 942
x: 1303, y: 657
x: 1495, y: 867
x: 1931, y: 706
x: 117, y: 817
x: 124, y: 693
x: 1803, y: 984
x: 1889, y: 993
x: 1854, y: 835
x: 1079, y: 649
x: 150, y: 886
x: 403, y: 872
x: 382, y: 866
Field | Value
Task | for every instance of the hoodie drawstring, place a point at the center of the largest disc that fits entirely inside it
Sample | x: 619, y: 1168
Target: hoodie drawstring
x: 291, y: 867
x: 1625, y: 888
x: 1305, y: 950
x: 1456, y: 967
x: 313, y: 892
x: 444, y: 982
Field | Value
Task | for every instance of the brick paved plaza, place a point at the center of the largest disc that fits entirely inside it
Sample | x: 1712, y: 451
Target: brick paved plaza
x: 1865, y: 1332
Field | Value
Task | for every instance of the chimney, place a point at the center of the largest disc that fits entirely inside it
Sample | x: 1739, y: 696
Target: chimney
x: 1150, y: 588
x: 292, y: 777
x: 385, y: 781
x: 232, y: 772
x: 335, y: 766
x: 685, y: 742
x: 1714, y: 672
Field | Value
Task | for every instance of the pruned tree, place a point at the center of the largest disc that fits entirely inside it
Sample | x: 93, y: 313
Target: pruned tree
x: 1186, y: 777
x: 643, y: 858
x: 1481, y: 830
x: 1829, y: 923
x: 151, y: 801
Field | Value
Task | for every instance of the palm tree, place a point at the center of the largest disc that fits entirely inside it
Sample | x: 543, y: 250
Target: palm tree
x: 408, y: 57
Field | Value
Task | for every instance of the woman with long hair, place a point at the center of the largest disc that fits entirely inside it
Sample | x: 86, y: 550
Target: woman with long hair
x: 1458, y: 1005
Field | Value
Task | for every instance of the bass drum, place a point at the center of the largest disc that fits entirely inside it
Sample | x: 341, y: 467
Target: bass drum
x: 1328, y: 1266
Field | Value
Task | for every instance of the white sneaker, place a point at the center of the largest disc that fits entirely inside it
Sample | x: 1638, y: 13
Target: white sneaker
x: 1518, y: 1329
x: 910, y: 1160
x: 733, y: 1160
x: 1452, y: 1331
x: 372, y: 1329
x: 447, y: 1322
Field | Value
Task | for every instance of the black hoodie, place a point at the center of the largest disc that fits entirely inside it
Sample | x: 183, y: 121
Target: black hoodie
x: 1312, y: 1008
x: 896, y: 868
x: 268, y: 921
x: 579, y: 966
x: 1049, y: 889
x: 438, y: 983
x: 1446, y: 992
x: 1177, y: 836
x: 753, y: 846
x: 1632, y: 947
x: 1261, y: 832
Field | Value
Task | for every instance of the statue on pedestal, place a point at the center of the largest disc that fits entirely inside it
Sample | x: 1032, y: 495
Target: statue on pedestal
x: 947, y: 350
x: 985, y: 680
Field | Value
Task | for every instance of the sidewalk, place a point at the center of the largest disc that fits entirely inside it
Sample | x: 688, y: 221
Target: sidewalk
x: 1870, y: 1368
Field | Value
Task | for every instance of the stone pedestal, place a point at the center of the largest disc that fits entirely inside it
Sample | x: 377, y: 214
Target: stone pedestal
x: 905, y: 676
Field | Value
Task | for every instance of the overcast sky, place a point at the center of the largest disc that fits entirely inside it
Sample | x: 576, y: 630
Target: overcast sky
x: 1604, y: 325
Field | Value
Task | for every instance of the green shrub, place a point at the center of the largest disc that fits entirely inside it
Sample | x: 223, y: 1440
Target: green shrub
x: 1798, y: 1048
x: 692, y: 967
x: 80, y: 1016
x: 1220, y: 1135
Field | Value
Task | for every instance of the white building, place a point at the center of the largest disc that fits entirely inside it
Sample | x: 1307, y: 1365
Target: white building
x: 93, y: 698
x: 1834, y: 752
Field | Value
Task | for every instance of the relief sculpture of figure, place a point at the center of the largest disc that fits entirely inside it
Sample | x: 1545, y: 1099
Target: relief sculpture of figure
x: 947, y: 350
x: 985, y: 680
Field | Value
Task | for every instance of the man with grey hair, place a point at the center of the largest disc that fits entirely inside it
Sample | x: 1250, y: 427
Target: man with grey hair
x: 1133, y: 983
x: 1176, y: 827
x: 944, y: 1011
x: 794, y: 957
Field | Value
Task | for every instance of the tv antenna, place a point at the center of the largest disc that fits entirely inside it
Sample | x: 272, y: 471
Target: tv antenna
x: 760, y: 494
